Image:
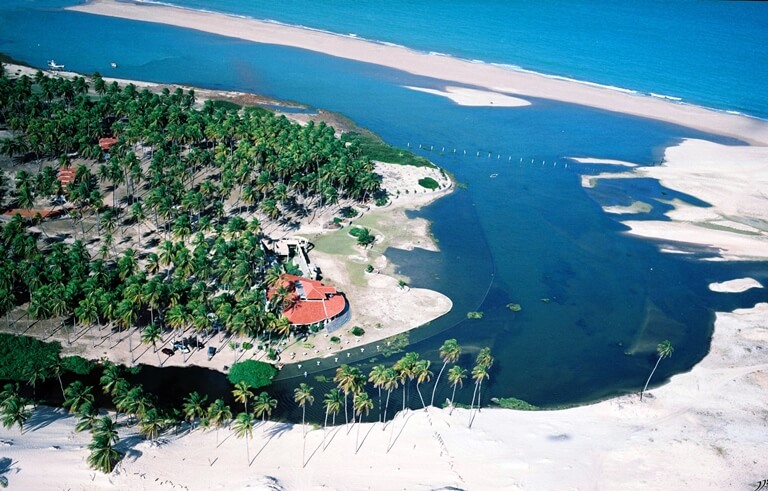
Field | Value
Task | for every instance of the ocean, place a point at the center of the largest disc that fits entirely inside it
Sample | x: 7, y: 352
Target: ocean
x: 595, y: 302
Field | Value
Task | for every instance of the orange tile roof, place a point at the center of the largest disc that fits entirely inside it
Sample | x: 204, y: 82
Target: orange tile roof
x: 66, y: 175
x: 320, y: 302
x: 32, y: 213
x: 106, y: 143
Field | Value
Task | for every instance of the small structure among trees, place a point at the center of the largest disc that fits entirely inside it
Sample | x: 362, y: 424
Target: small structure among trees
x: 306, y: 302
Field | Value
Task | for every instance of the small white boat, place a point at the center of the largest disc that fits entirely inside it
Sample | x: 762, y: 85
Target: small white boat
x: 53, y: 66
x: 113, y: 64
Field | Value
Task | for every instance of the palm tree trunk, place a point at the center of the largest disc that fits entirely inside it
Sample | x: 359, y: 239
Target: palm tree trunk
x: 649, y: 378
x: 325, y: 426
x: 453, y: 396
x: 386, y: 406
x: 380, y: 404
x: 423, y: 404
x: 471, y: 405
x: 434, y: 389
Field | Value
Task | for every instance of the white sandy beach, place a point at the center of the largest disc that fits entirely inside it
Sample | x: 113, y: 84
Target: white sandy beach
x: 703, y: 430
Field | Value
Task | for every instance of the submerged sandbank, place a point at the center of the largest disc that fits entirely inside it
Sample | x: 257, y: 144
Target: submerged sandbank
x: 731, y: 179
x: 478, y: 75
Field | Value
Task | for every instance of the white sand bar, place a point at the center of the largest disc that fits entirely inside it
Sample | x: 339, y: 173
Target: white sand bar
x: 589, y: 160
x: 735, y: 286
x: 439, y: 67
x: 473, y: 97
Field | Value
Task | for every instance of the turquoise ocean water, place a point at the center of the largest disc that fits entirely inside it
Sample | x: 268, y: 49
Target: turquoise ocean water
x: 595, y: 301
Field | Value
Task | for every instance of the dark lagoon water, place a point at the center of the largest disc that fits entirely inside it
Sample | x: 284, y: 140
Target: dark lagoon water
x: 595, y: 302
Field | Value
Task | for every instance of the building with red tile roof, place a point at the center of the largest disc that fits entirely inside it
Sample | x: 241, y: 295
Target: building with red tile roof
x: 106, y: 143
x: 312, y: 302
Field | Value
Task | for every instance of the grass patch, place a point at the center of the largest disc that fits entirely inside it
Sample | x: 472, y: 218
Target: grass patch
x: 429, y: 183
x: 395, y: 344
x: 376, y: 149
x: 514, y: 403
x: 514, y: 307
x: 226, y: 105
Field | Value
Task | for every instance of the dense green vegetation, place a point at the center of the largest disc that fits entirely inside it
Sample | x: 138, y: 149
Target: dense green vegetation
x: 514, y: 403
x: 181, y: 178
x: 21, y: 356
x: 429, y: 183
x: 376, y: 149
x: 254, y: 373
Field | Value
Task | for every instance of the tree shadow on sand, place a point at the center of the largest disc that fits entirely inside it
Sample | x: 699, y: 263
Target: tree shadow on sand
x: 42, y: 417
x: 275, y: 431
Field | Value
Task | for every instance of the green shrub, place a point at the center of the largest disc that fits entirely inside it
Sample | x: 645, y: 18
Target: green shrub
x: 369, y: 269
x: 20, y: 354
x: 349, y: 212
x: 514, y: 403
x: 429, y: 183
x: 357, y: 331
x: 335, y: 339
x: 514, y: 307
x: 254, y: 373
x: 78, y: 364
x: 247, y: 345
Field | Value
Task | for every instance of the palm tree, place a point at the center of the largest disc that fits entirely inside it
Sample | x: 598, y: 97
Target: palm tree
x: 449, y: 352
x: 193, y: 406
x: 362, y: 403
x: 391, y: 382
x: 103, y: 456
x: 332, y: 403
x: 664, y: 349
x: 15, y: 412
x: 88, y: 414
x: 76, y: 395
x: 422, y: 374
x: 243, y: 427
x: 456, y: 376
x: 349, y: 379
x: 378, y: 377
x: 242, y: 392
x: 152, y: 424
x: 151, y: 335
x: 218, y: 414
x: 303, y: 395
x: 263, y: 405
x: 479, y: 373
x: 405, y: 370
x: 110, y: 378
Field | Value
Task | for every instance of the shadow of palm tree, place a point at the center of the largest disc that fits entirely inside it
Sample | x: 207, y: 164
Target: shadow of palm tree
x: 42, y: 417
x: 6, y: 465
x: 400, y: 432
x: 276, y: 430
x: 365, y: 437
